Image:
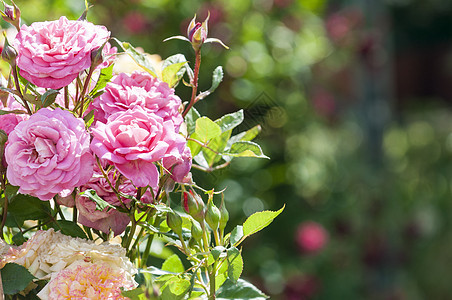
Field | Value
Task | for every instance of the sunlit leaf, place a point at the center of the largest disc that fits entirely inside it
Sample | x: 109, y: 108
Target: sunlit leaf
x: 138, y: 57
x: 206, y: 129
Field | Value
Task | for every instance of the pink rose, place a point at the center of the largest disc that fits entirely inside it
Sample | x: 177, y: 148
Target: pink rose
x: 49, y: 154
x: 311, y: 237
x: 179, y: 165
x: 126, y: 91
x: 52, y: 54
x: 133, y: 140
x: 9, y: 121
x: 109, y: 218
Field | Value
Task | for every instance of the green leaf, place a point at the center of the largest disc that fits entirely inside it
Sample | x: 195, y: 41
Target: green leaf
x: 11, y: 191
x: 174, y: 288
x: 25, y: 207
x: 259, y: 221
x: 194, y: 146
x: 245, y: 149
x: 190, y: 120
x: 239, y: 290
x: 216, y: 252
x: 15, y: 278
x: 19, y: 239
x: 206, y: 129
x: 105, y: 76
x: 173, y: 69
x: 135, y: 294
x: 48, y: 97
x: 101, y: 204
x: 179, y: 286
x: 219, y: 280
x: 235, y: 264
x: 245, y: 136
x: 138, y: 57
x: 172, y: 74
x: 230, y: 121
x: 217, y: 144
x: 69, y: 228
x: 217, y: 77
x: 173, y: 264
x: 236, y: 234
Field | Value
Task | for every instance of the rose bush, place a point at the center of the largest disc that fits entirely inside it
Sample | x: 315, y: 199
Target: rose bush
x: 115, y: 149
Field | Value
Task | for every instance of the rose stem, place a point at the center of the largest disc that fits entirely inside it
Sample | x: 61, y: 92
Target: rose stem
x: 195, y: 82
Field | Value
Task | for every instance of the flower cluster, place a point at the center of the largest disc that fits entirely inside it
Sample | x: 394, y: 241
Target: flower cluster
x: 74, y: 266
x: 110, y: 149
x: 136, y: 126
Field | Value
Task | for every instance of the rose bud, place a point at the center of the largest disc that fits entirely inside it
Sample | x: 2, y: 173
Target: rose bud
x: 212, y: 215
x: 174, y: 222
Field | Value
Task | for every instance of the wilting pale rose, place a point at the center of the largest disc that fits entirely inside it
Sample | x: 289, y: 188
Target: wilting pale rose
x: 49, y: 154
x: 179, y: 164
x: 109, y: 218
x: 133, y: 140
x: 126, y: 91
x: 85, y: 280
x: 9, y: 121
x: 51, y: 54
x: 53, y: 255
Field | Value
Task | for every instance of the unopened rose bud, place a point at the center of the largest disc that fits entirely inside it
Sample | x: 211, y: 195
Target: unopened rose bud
x: 11, y: 14
x: 9, y: 54
x: 212, y: 215
x: 224, y: 216
x: 196, y: 231
x: 174, y: 222
x: 97, y: 56
x: 197, y: 32
x: 194, y: 206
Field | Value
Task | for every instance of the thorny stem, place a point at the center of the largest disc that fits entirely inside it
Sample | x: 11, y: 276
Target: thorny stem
x: 16, y: 81
x: 85, y: 87
x: 5, y: 207
x: 74, y: 214
x: 224, y: 165
x: 195, y: 82
x: 110, y: 184
x: 66, y: 97
x: 212, y: 281
x: 131, y: 234
x: 217, y: 238
x: 149, y: 244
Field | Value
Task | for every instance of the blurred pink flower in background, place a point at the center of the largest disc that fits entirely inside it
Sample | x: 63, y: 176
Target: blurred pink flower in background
x: 135, y: 22
x: 52, y: 54
x: 311, y: 237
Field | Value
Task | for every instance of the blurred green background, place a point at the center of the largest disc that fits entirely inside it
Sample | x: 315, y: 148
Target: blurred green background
x: 354, y: 99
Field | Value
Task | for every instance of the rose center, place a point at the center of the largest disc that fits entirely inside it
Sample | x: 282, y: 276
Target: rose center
x: 44, y: 149
x: 131, y: 135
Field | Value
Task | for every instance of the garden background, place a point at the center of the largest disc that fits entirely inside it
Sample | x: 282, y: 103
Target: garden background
x: 353, y: 97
